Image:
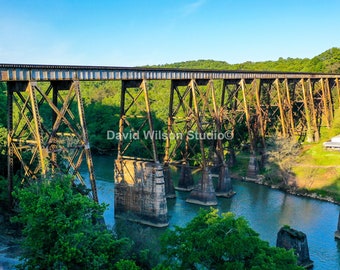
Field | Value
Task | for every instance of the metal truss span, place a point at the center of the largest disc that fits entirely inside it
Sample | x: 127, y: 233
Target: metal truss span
x: 26, y: 72
x: 47, y: 130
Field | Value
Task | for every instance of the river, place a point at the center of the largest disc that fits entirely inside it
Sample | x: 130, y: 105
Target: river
x: 266, y: 210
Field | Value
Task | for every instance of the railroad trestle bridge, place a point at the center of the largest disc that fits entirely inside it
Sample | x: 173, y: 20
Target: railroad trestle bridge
x: 200, y: 101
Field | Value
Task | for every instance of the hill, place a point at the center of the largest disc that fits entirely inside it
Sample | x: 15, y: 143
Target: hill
x: 328, y: 62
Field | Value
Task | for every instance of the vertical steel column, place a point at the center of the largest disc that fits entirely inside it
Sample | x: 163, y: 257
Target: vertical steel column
x: 329, y: 98
x: 247, y: 114
x: 282, y: 116
x: 307, y: 112
x: 180, y: 123
x: 313, y: 112
x: 10, y: 155
x: 169, y: 126
x: 169, y: 186
x: 121, y: 121
x: 54, y: 118
x: 325, y: 103
x: 86, y: 143
x: 188, y: 126
x: 139, y: 181
x: 204, y: 192
x: 290, y: 108
x: 259, y: 112
x: 228, y: 107
x: 147, y: 105
x: 338, y: 90
x: 37, y: 124
x: 198, y: 122
x: 224, y: 187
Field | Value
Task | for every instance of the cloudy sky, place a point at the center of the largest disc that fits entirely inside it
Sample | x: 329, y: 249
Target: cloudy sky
x: 137, y: 32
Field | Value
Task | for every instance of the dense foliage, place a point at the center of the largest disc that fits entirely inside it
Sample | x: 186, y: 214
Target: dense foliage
x: 62, y: 228
x: 210, y: 241
x: 102, y: 99
x: 328, y: 61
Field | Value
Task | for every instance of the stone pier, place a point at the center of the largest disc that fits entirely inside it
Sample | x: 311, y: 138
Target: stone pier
x: 252, y: 169
x: 169, y: 185
x: 140, y: 192
x: 204, y: 192
x: 289, y: 238
x: 185, y: 181
x: 337, y: 233
x: 224, y: 187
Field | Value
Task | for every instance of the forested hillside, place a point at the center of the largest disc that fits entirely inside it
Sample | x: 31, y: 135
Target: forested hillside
x: 328, y: 61
x: 102, y: 98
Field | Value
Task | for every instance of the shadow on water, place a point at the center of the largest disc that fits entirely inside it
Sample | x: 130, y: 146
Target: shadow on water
x: 267, y: 210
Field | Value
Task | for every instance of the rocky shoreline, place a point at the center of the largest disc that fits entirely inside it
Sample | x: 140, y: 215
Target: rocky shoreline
x: 260, y: 180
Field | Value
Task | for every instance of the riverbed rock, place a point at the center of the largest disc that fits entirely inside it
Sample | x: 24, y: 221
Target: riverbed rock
x: 289, y: 238
x: 337, y: 233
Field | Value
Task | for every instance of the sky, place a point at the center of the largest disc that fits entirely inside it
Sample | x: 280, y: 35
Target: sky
x: 150, y: 32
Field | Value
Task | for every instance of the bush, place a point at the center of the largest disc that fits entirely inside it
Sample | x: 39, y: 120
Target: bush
x: 61, y: 228
x: 211, y: 241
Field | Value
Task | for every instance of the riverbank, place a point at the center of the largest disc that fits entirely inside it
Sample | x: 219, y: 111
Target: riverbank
x: 288, y: 189
x: 312, y: 172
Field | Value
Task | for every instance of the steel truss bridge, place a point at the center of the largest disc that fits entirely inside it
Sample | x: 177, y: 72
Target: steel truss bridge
x: 203, y: 101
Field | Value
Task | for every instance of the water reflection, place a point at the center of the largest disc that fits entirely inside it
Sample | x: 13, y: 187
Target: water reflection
x: 265, y: 209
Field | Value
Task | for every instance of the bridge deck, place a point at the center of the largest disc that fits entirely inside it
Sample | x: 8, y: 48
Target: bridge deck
x: 23, y: 72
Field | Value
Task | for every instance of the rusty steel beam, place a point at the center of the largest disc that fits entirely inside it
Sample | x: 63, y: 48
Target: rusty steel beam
x: 37, y: 142
x: 22, y: 72
x: 287, y: 103
x: 133, y: 92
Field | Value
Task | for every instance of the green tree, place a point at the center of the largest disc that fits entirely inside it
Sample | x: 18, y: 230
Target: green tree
x: 211, y: 241
x: 61, y: 228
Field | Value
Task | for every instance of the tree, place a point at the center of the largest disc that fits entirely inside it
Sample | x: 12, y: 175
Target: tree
x: 61, y: 228
x: 211, y: 241
x: 282, y: 154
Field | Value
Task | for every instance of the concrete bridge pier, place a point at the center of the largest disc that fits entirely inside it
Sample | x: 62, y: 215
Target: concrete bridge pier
x: 224, y: 186
x: 139, y: 182
x: 169, y: 185
x: 204, y: 192
x: 252, y: 169
x: 140, y: 192
x: 186, y: 181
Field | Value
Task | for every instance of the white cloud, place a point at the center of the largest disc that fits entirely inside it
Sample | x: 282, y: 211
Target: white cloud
x: 193, y: 7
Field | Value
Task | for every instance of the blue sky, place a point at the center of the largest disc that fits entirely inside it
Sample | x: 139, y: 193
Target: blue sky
x: 137, y: 32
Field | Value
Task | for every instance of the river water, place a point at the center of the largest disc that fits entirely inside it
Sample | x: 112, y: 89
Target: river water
x: 267, y: 210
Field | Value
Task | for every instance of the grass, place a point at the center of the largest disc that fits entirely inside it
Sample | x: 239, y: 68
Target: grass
x: 318, y: 169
